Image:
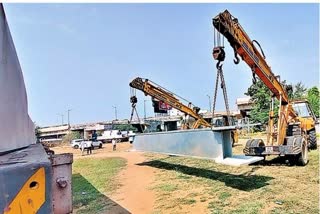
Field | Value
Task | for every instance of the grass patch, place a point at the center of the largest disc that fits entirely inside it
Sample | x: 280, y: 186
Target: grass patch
x: 226, y: 189
x: 186, y: 201
x: 167, y: 187
x: 224, y: 195
x: 90, y: 179
x: 248, y: 208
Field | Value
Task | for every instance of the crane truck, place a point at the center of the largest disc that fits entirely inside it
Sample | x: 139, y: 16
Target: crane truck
x: 294, y: 132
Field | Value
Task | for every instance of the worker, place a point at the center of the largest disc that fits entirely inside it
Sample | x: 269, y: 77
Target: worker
x: 114, y: 144
x: 82, y: 147
x: 94, y: 135
x: 89, y: 147
x: 93, y: 139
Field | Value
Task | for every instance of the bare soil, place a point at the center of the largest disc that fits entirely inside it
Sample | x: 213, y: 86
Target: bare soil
x: 133, y: 194
x: 153, y: 183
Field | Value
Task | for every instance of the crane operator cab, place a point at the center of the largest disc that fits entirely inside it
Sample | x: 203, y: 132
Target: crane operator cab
x: 307, y: 119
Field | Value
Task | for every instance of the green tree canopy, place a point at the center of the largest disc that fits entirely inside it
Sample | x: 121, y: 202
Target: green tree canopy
x: 313, y: 97
x: 299, y: 91
x: 124, y: 127
x: 260, y: 95
x: 71, y: 136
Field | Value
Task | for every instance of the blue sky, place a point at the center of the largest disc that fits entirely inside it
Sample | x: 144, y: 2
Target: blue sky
x: 83, y: 56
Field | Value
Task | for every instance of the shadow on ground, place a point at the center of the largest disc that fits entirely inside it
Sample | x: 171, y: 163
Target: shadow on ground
x: 87, y: 199
x: 245, y: 182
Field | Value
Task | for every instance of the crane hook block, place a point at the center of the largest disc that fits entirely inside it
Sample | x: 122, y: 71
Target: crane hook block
x: 133, y: 99
x: 218, y: 53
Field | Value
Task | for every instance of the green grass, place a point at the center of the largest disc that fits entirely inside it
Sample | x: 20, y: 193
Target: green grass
x: 183, y: 182
x: 167, y: 187
x: 187, y: 201
x: 224, y: 195
x: 91, y: 180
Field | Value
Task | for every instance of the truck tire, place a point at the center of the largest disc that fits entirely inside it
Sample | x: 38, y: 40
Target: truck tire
x: 100, y: 145
x: 302, y: 158
x: 76, y: 147
x: 257, y: 143
x: 312, y: 140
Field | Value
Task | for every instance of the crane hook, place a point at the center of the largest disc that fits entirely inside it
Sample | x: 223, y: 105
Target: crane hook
x: 218, y: 66
x: 254, y: 79
x: 236, y: 60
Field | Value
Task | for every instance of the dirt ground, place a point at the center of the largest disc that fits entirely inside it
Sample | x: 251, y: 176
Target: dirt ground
x: 145, y: 189
x: 133, y: 194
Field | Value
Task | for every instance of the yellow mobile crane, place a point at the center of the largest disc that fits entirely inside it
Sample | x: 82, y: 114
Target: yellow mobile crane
x: 155, y: 91
x: 295, y: 128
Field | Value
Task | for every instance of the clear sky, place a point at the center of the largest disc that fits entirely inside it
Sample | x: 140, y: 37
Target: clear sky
x: 83, y: 56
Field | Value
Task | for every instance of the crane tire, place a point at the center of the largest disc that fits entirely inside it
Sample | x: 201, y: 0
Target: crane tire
x: 312, y: 140
x: 302, y: 158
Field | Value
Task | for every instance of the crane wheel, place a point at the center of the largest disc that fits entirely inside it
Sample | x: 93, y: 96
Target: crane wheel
x: 302, y: 158
x: 312, y: 140
x: 257, y: 143
x: 248, y: 144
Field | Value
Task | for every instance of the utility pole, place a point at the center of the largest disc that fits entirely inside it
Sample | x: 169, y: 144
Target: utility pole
x: 115, y: 111
x: 209, y: 102
x: 144, y: 108
x: 69, y: 116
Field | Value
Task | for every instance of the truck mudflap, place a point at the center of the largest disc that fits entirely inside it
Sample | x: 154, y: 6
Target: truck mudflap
x: 271, y: 150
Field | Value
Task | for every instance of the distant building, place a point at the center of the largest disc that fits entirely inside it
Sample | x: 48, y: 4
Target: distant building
x: 245, y: 105
x: 175, y: 112
x: 162, y: 121
x: 52, y: 134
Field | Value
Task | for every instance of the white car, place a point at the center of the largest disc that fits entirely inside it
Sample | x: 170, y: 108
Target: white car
x: 76, y: 143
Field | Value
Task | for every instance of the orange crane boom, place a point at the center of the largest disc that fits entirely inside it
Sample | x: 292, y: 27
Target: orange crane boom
x: 152, y: 89
x: 281, y: 140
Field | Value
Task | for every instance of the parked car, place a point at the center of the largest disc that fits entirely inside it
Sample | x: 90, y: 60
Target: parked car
x: 76, y: 143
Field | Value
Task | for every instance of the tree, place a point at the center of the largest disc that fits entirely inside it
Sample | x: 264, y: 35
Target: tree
x: 260, y: 95
x: 71, y: 136
x: 37, y: 132
x: 299, y: 91
x: 124, y: 127
x: 313, y: 96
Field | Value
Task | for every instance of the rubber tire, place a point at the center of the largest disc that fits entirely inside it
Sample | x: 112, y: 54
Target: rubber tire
x: 312, y: 140
x: 257, y: 143
x: 302, y: 158
x: 100, y: 145
x: 76, y: 147
x: 248, y: 144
